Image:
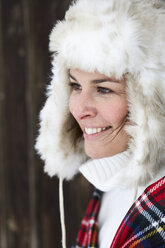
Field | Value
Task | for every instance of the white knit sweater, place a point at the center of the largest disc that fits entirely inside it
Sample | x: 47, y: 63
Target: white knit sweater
x: 117, y: 199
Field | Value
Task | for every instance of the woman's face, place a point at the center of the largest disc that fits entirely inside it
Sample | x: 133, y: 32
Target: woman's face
x: 99, y: 105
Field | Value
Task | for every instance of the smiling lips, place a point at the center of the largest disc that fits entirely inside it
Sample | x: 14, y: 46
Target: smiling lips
x: 95, y: 130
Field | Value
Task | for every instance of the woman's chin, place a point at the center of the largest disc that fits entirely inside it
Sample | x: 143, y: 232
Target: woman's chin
x: 102, y: 151
x: 98, y: 153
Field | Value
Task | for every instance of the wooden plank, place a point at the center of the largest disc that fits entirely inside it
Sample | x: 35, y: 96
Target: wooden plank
x: 76, y: 195
x: 31, y: 91
x: 3, y: 219
x: 14, y: 57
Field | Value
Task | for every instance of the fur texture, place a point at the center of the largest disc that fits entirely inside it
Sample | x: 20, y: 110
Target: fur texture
x: 115, y: 37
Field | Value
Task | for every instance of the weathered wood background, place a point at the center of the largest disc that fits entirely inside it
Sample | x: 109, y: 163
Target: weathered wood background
x: 29, y: 212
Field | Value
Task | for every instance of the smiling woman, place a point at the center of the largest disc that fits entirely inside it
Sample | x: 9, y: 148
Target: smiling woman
x: 105, y: 115
x: 99, y: 105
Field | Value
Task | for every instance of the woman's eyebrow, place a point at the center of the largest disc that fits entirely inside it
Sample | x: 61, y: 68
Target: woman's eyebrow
x: 72, y: 77
x: 98, y: 81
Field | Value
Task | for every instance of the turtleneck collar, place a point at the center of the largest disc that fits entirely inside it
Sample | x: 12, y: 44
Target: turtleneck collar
x: 100, y: 171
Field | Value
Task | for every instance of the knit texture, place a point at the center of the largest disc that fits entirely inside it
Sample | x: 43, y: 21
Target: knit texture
x: 102, y: 172
x: 143, y: 225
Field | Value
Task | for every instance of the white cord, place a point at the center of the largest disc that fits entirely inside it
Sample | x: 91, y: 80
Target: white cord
x: 62, y: 216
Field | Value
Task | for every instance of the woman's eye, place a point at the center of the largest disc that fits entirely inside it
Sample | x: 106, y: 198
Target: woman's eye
x: 103, y: 90
x: 75, y: 86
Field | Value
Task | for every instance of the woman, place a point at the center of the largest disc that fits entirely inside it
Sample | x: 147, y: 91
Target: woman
x: 105, y: 116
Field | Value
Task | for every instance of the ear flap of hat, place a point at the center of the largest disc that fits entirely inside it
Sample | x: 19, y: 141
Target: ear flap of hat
x: 55, y: 144
x: 147, y: 115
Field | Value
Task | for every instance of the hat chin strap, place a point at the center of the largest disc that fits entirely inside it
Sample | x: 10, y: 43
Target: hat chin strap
x: 62, y: 216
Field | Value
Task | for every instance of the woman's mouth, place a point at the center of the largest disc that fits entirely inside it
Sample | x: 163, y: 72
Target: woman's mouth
x: 90, y: 131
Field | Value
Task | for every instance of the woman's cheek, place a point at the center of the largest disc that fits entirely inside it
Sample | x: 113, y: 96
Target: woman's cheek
x: 71, y: 104
x: 116, y: 111
x: 74, y: 106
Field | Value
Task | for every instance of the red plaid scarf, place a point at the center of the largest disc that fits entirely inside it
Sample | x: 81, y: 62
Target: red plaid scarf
x: 143, y: 225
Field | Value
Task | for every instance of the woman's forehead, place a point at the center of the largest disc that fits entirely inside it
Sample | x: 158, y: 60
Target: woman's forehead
x: 95, y: 76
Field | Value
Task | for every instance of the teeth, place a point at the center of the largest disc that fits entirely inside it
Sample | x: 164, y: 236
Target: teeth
x: 94, y: 130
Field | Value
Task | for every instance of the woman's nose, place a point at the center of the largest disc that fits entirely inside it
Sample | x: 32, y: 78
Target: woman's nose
x: 84, y: 107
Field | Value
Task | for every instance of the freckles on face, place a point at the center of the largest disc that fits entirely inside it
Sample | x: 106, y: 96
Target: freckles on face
x: 99, y: 105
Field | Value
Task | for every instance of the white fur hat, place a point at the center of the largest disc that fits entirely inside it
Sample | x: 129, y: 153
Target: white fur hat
x: 113, y: 37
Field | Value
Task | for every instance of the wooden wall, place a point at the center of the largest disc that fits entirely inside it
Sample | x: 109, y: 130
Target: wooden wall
x: 29, y: 212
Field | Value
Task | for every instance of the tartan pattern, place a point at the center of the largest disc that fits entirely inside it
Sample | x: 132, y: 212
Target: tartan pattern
x: 142, y: 227
x: 144, y: 224
x: 88, y: 233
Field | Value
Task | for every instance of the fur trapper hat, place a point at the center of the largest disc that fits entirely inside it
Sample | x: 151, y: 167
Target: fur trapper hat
x: 114, y: 37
